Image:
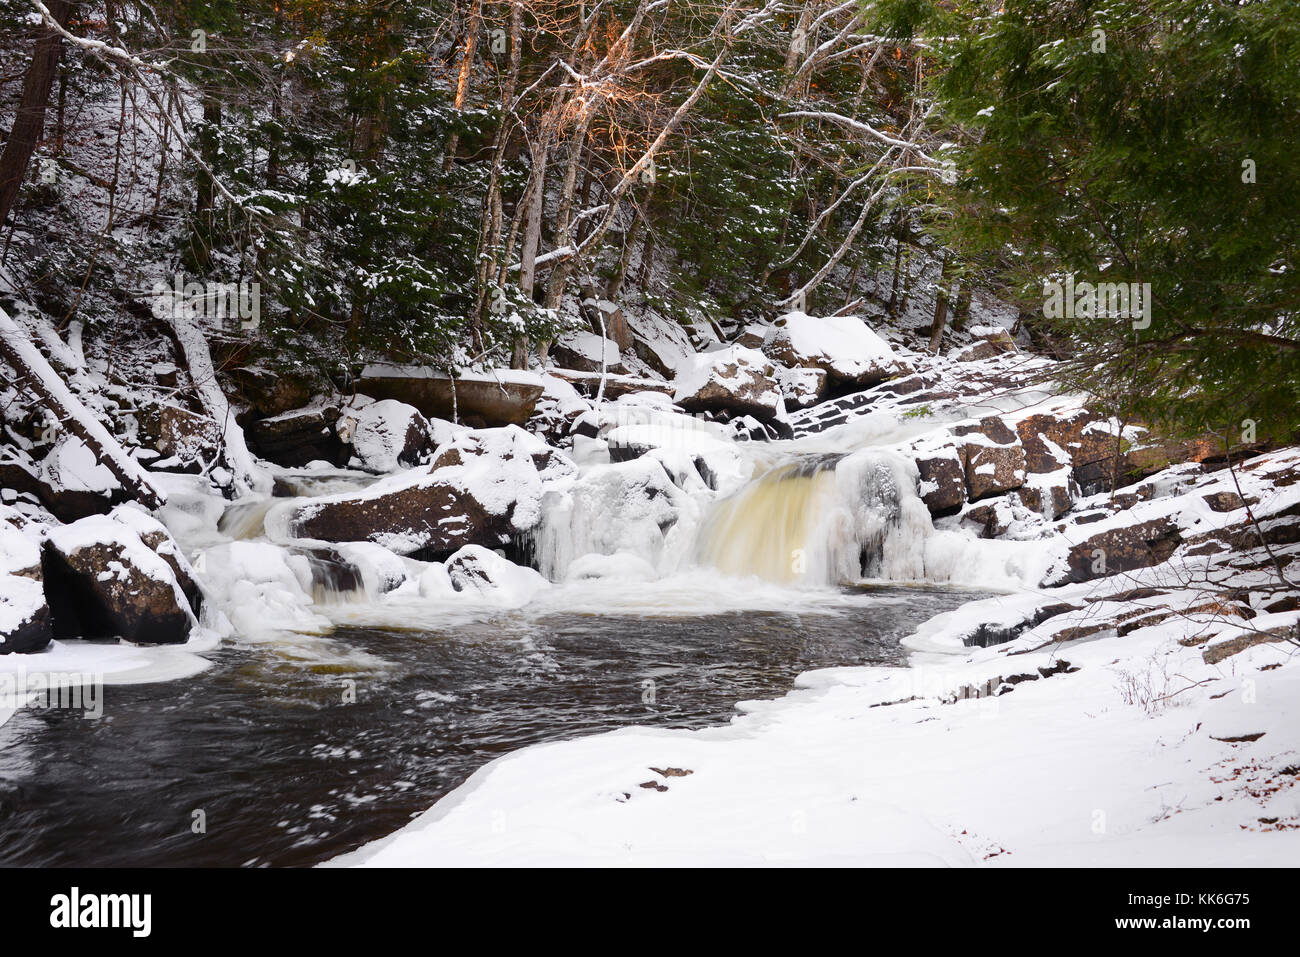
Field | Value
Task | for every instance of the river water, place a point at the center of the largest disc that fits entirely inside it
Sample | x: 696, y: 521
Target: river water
x: 293, y: 758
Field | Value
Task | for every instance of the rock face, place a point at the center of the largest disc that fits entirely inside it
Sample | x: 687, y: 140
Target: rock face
x: 386, y: 435
x: 943, y: 480
x: 993, y: 456
x: 1120, y: 549
x: 735, y: 380
x: 492, y: 399
x: 483, y: 488
x: 103, y: 581
x: 296, y: 438
x: 851, y: 355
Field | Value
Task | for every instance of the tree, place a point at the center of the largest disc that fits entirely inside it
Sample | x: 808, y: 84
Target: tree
x: 1134, y: 142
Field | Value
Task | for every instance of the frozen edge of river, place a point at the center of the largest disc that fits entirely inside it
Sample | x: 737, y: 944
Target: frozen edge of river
x: 1065, y: 771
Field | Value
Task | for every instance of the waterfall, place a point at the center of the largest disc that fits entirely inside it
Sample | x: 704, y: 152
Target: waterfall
x: 821, y: 521
x: 816, y: 519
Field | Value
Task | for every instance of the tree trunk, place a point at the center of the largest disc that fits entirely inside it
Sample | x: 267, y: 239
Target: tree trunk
x: 29, y: 121
x: 940, y: 307
x: 28, y: 362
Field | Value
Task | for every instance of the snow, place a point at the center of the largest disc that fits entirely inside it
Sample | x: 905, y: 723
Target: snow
x: 1063, y: 771
x: 379, y: 430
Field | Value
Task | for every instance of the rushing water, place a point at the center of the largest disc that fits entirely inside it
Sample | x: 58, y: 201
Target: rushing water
x: 287, y: 773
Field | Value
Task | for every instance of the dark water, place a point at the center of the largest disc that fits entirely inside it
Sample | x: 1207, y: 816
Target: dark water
x: 287, y: 773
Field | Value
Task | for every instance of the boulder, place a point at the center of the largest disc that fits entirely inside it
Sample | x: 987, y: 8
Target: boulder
x: 989, y: 342
x: 735, y: 380
x: 1054, y: 440
x: 607, y: 318
x: 802, y: 387
x: 26, y: 625
x: 296, y: 438
x: 102, y: 581
x: 843, y: 347
x: 386, y: 435
x: 155, y: 536
x: 185, y: 441
x: 483, y: 487
x: 497, y: 398
x: 269, y: 393
x: 478, y: 570
x: 582, y: 351
x: 990, y: 519
x: 73, y: 484
x: 659, y: 342
x: 1050, y: 494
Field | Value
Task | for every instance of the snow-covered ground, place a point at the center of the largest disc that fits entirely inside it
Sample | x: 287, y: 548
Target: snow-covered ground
x: 1137, y: 758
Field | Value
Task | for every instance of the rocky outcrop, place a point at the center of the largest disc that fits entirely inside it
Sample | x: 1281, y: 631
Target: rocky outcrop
x: 993, y: 457
x: 735, y: 380
x: 1118, y: 549
x: 943, y: 479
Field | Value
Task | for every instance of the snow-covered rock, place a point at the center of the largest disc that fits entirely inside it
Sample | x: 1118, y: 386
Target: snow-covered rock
x: 103, y: 581
x: 386, y: 435
x: 483, y: 487
x: 583, y: 351
x: 659, y: 342
x: 735, y: 379
x: 481, y: 571
x: 844, y: 347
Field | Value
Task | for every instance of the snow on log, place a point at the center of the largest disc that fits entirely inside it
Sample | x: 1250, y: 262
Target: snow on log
x: 17, y: 349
